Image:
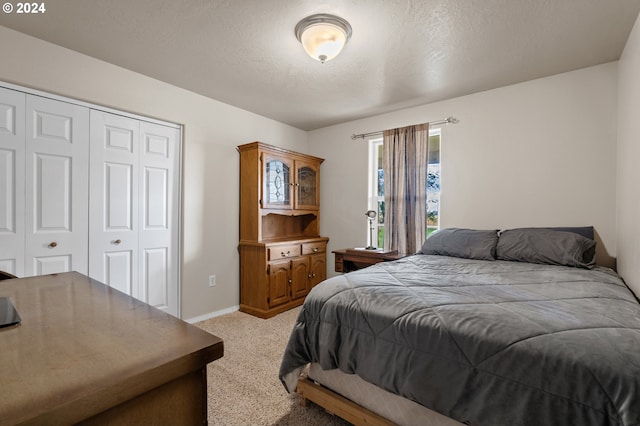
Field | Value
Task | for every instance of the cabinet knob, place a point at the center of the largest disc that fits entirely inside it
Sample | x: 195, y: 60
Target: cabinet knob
x: 315, y: 249
x: 53, y: 244
x: 289, y: 281
x: 309, y: 276
x: 283, y: 254
x: 118, y: 241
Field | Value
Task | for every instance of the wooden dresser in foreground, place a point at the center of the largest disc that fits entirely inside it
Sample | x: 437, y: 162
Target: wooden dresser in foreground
x: 282, y: 255
x: 86, y: 353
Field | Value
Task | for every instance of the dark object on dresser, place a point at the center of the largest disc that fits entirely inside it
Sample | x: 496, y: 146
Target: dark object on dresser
x: 6, y: 276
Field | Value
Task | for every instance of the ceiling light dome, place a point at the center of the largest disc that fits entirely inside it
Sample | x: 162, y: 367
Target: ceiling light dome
x: 323, y: 36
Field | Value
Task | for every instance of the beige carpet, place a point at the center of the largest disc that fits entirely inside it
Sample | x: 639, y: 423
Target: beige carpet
x: 244, y: 388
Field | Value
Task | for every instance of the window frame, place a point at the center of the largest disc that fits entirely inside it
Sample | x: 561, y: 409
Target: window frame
x: 373, y: 199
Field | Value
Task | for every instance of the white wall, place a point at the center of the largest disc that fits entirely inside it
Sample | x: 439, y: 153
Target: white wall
x: 212, y: 130
x: 628, y: 177
x: 540, y: 153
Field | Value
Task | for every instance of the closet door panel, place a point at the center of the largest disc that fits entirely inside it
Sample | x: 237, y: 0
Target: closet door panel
x: 52, y: 193
x: 156, y: 285
x: 118, y: 200
x: 159, y: 219
x: 12, y: 182
x: 57, y: 154
x: 113, y: 224
x: 45, y: 265
x: 118, y: 270
x: 8, y: 264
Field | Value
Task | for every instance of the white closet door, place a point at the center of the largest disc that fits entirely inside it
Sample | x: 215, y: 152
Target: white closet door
x: 57, y: 156
x: 12, y: 151
x: 159, y: 216
x: 113, y: 224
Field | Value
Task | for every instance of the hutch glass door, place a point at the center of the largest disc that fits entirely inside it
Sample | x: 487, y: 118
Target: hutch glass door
x: 277, y: 183
x: 306, y: 187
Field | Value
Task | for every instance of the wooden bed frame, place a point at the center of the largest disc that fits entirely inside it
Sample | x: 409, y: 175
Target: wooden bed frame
x: 337, y: 404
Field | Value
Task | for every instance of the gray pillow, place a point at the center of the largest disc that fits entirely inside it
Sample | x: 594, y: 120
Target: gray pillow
x: 546, y: 246
x: 585, y: 231
x: 465, y: 243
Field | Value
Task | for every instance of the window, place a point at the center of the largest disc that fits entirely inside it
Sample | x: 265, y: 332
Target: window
x: 376, y: 185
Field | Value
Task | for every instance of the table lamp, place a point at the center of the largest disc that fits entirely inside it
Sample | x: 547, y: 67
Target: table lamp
x: 370, y: 214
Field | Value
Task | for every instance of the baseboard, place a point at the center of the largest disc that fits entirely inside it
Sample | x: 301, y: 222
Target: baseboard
x: 213, y: 314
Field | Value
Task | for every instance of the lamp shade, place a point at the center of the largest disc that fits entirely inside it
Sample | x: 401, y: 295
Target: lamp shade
x: 323, y: 36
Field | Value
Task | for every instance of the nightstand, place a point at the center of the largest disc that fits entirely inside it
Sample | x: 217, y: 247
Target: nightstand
x: 352, y: 259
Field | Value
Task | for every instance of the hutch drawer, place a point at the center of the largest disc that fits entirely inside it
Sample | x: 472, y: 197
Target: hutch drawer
x: 310, y: 248
x: 283, y: 252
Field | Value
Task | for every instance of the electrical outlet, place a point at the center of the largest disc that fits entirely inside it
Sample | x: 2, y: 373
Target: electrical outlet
x: 212, y: 280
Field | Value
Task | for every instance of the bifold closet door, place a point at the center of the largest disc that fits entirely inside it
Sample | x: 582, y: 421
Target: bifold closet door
x: 56, y: 179
x: 44, y: 153
x: 159, y: 224
x: 134, y: 208
x: 113, y: 200
x: 12, y: 151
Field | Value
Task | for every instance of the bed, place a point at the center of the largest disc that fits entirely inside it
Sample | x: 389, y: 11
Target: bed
x: 480, y: 327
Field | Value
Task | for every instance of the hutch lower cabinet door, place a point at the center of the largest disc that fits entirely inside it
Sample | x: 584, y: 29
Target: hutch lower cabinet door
x: 318, y: 269
x: 288, y: 280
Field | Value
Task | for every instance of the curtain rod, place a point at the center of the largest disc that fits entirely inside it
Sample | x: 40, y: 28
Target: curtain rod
x: 448, y: 120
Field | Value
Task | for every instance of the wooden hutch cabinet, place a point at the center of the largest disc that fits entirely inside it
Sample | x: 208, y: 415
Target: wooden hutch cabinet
x: 282, y: 255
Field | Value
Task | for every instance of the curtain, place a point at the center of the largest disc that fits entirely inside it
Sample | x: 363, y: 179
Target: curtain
x: 405, y: 187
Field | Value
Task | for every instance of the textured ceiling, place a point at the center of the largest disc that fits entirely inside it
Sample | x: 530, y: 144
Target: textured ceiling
x: 402, y: 53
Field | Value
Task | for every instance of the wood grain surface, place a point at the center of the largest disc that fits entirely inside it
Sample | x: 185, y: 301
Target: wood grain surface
x: 83, y: 348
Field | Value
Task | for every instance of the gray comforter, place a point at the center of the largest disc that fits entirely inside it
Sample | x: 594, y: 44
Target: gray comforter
x: 483, y: 342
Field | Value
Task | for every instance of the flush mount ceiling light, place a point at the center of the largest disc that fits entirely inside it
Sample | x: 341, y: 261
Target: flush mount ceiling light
x: 323, y: 36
